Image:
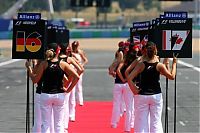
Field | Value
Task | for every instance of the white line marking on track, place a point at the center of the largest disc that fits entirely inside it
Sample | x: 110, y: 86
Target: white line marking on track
x: 168, y: 108
x: 182, y: 123
x: 188, y: 65
x: 1, y: 81
x: 8, y: 62
x: 186, y: 77
x: 193, y: 82
x: 18, y: 81
x: 7, y: 87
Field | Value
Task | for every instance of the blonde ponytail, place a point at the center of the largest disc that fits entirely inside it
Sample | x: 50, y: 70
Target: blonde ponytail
x: 50, y: 54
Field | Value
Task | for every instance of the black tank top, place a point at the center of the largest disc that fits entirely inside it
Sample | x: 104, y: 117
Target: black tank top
x: 52, y: 78
x: 39, y: 86
x: 150, y: 80
x: 123, y: 69
x: 118, y: 80
x: 63, y: 58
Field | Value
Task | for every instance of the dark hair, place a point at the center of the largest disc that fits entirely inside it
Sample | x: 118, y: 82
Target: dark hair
x: 51, y: 51
x: 69, y: 51
x: 151, y: 49
x: 53, y: 46
x: 120, y: 49
x: 63, y: 48
x: 121, y: 44
x: 130, y: 56
x: 75, y: 44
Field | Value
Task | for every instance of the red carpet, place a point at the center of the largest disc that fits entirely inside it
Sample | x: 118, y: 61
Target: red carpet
x: 94, y: 117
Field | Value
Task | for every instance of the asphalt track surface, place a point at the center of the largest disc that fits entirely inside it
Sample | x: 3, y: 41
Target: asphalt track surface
x: 98, y: 85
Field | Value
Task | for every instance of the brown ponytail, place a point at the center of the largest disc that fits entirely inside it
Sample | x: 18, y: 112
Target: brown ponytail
x: 75, y: 45
x: 151, y: 49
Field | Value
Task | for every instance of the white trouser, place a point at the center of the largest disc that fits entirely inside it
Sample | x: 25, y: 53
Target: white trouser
x: 37, y: 114
x: 148, y: 111
x: 66, y: 114
x: 123, y: 107
x: 72, y: 104
x: 79, y: 90
x: 121, y: 91
x: 55, y: 103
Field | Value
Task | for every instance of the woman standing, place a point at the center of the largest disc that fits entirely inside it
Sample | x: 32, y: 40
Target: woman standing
x: 37, y: 111
x: 53, y: 92
x: 65, y: 55
x: 119, y: 56
x: 122, y: 92
x: 80, y: 55
x: 148, y: 97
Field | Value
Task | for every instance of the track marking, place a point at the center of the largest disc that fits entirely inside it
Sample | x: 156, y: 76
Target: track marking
x: 9, y: 62
x: 182, y: 123
x: 179, y: 61
x: 188, y: 65
x: 193, y: 82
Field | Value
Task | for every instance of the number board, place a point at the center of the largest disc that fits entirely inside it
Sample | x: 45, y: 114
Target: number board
x: 57, y: 34
x: 28, y: 39
x: 51, y: 34
x: 173, y: 36
x: 139, y: 33
x: 62, y: 35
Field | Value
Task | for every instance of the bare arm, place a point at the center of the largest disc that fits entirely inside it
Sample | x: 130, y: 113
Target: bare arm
x: 73, y: 75
x: 130, y: 67
x: 113, y: 65
x: 66, y: 81
x: 138, y: 69
x: 119, y: 72
x: 167, y: 73
x: 78, y: 67
x: 120, y: 57
x: 166, y: 63
x: 84, y: 57
x: 36, y: 73
x: 112, y: 68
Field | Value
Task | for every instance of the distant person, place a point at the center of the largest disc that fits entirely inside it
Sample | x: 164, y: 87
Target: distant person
x: 148, y: 95
x: 70, y: 103
x: 121, y: 93
x: 80, y: 55
x: 119, y: 105
x: 119, y: 56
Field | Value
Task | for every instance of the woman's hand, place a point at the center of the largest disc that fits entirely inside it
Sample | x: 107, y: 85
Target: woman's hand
x: 137, y: 90
x: 27, y: 64
x: 166, y: 61
x: 175, y: 58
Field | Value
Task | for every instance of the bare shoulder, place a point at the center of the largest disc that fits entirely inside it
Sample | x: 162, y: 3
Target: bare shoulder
x: 80, y: 51
x: 160, y: 66
x: 44, y: 63
x: 139, y: 67
x: 69, y: 59
x: 63, y: 63
x: 140, y: 64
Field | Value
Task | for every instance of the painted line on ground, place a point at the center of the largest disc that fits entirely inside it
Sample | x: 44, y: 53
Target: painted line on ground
x: 179, y: 61
x: 188, y: 65
x: 9, y: 62
x: 182, y: 123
